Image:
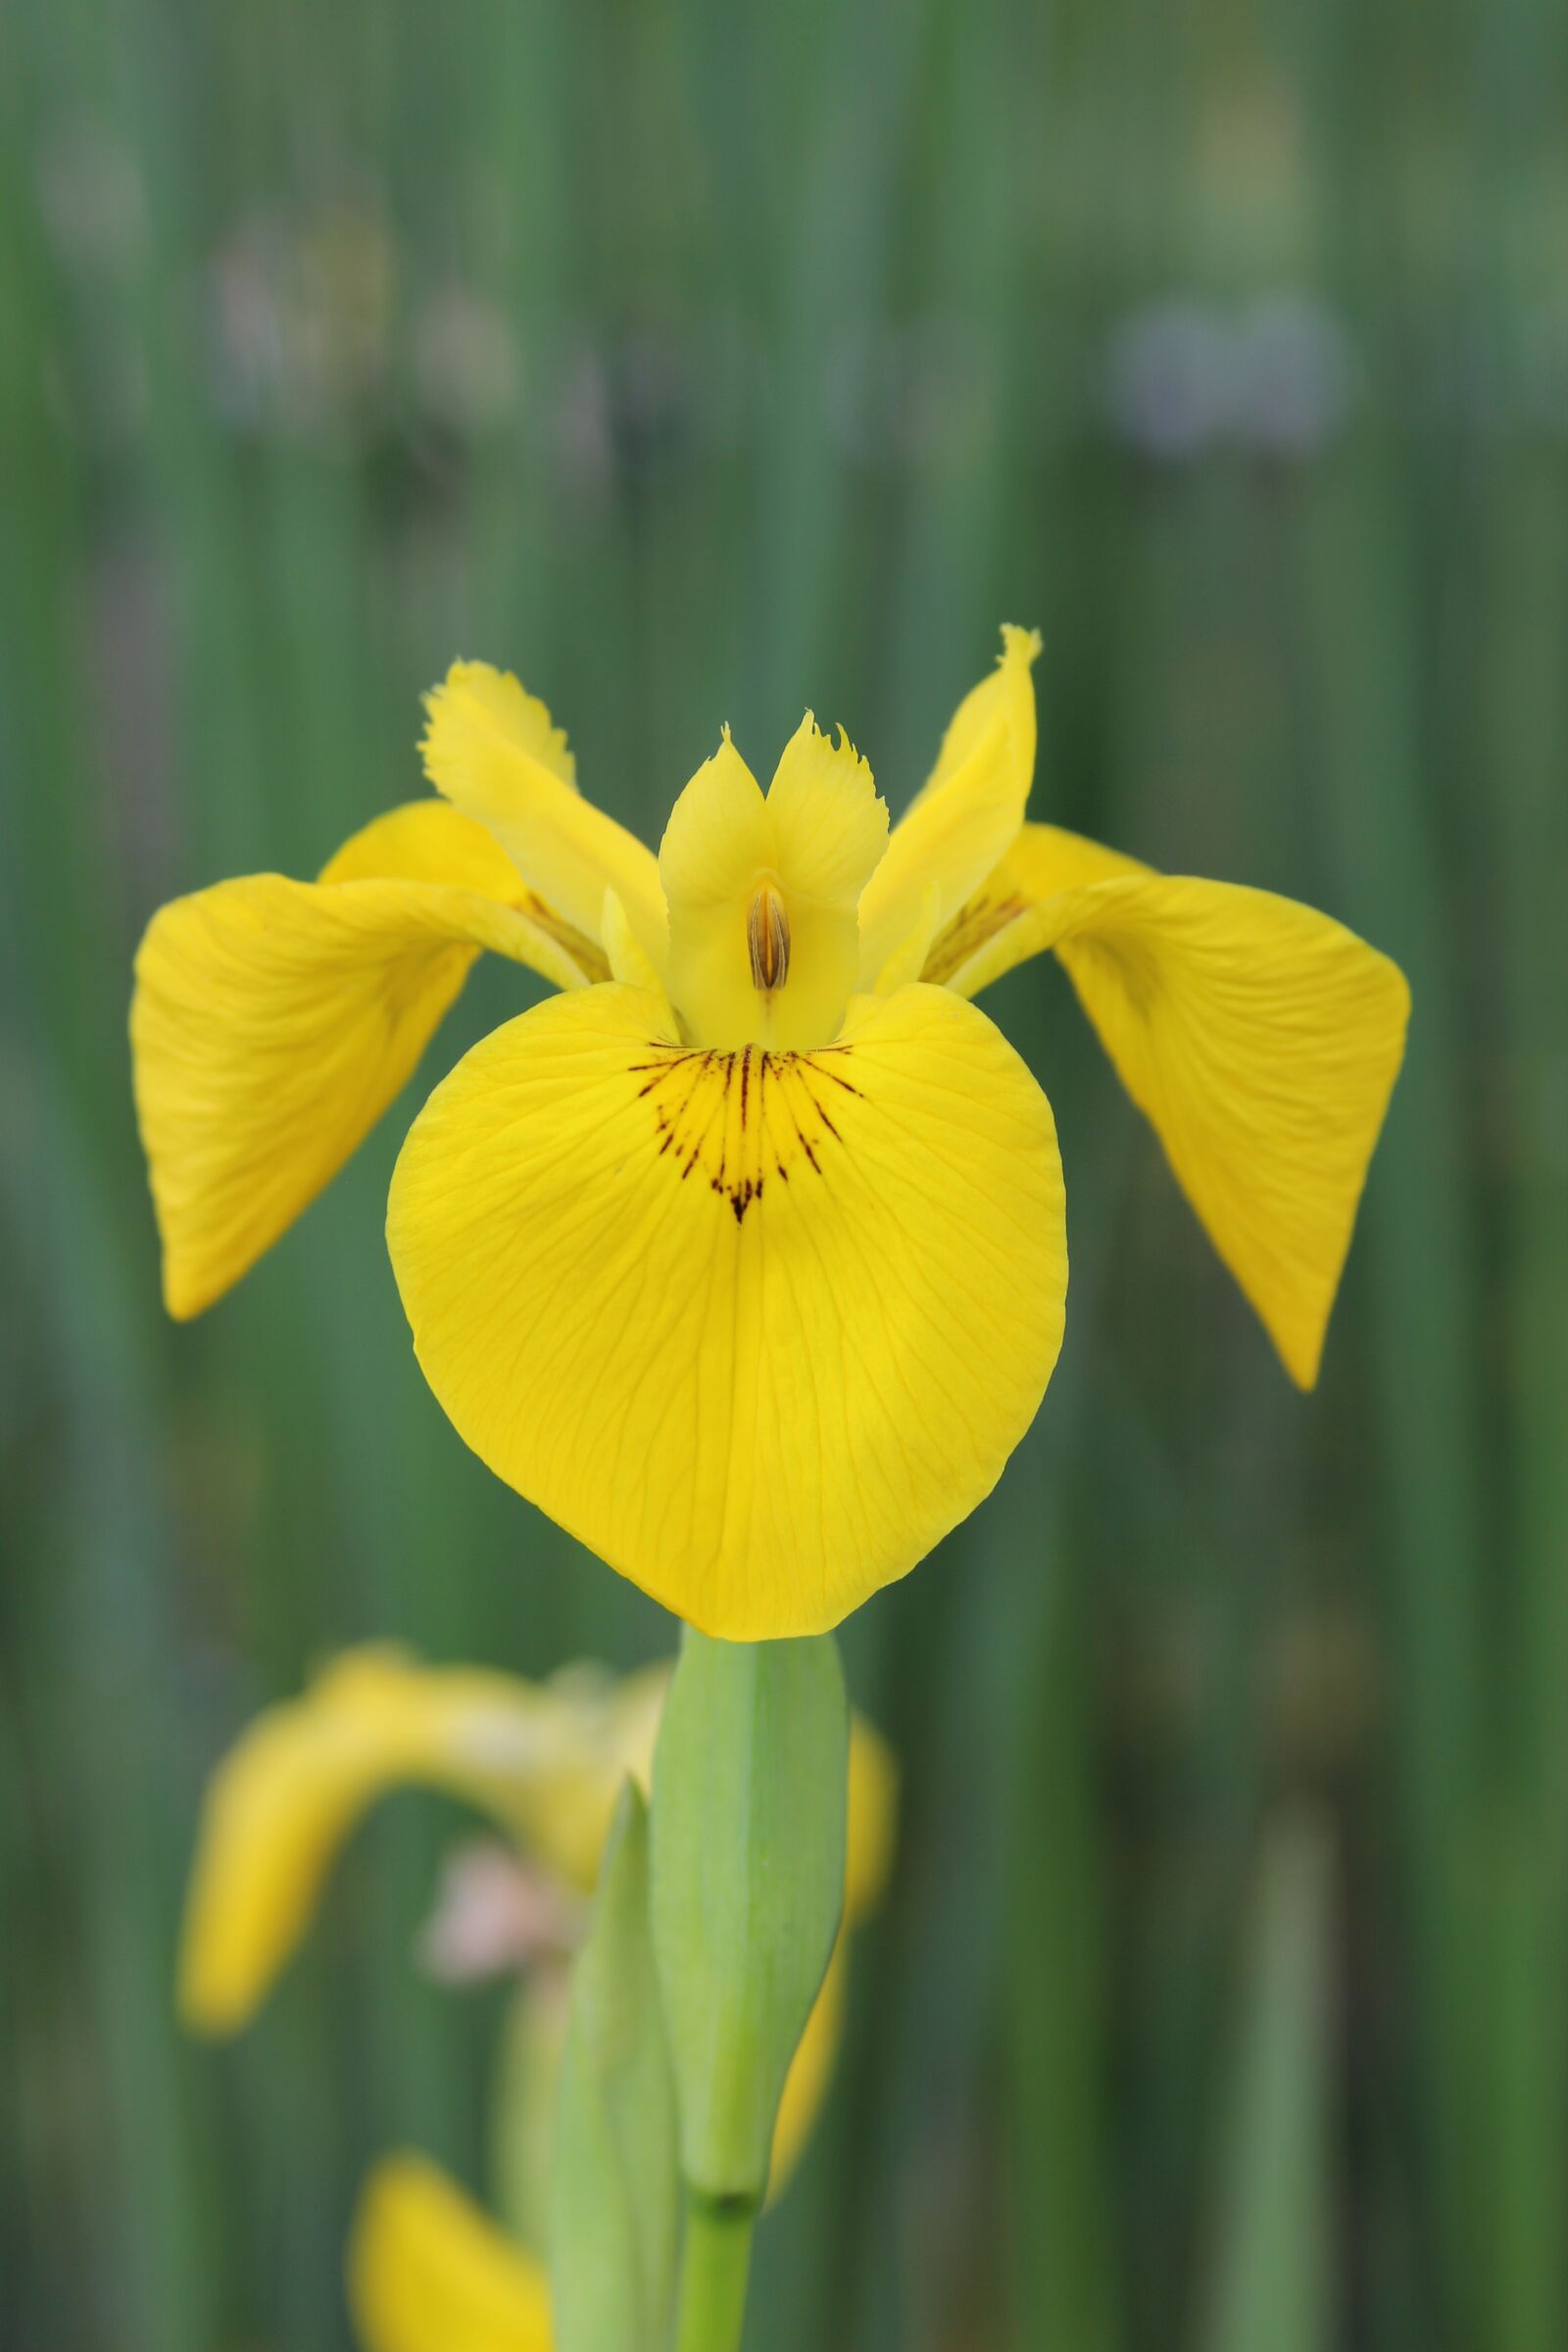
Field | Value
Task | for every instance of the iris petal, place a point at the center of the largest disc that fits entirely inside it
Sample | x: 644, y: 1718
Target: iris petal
x: 759, y: 1329
x: 491, y: 749
x: 428, y: 2271
x: 1261, y: 1038
x: 964, y: 816
x: 545, y: 1760
x: 273, y: 1021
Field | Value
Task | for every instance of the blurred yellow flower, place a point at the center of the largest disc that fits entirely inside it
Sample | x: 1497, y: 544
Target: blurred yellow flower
x: 546, y: 1761
x: 427, y: 2272
x: 744, y: 1256
x: 430, y: 2272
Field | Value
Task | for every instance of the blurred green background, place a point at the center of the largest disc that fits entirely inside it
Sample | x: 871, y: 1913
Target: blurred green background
x: 702, y: 363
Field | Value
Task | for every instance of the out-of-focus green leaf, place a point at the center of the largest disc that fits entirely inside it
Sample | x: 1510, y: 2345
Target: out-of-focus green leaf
x: 1271, y: 2258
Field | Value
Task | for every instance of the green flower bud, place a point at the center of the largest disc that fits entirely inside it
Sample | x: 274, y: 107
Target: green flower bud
x: 749, y: 1781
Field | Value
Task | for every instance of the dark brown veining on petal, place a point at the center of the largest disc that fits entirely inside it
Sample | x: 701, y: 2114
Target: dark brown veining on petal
x: 739, y: 1117
x: 977, y: 921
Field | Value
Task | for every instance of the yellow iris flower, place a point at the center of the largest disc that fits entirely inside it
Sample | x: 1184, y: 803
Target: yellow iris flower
x: 744, y: 1256
x: 545, y: 1761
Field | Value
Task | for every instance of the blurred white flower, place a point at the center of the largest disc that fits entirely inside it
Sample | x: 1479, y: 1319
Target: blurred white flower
x: 1184, y: 377
x: 1169, y: 378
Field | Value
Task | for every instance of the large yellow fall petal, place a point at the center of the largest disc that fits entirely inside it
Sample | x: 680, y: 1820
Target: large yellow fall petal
x: 539, y: 1757
x: 491, y: 749
x: 963, y: 819
x: 1261, y: 1038
x: 757, y: 1328
x: 273, y: 1021
x: 428, y: 2271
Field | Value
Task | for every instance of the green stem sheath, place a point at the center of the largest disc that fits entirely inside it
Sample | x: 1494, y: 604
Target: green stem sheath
x: 716, y: 2260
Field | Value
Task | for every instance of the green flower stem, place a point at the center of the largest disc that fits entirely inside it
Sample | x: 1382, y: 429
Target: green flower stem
x: 715, y: 2259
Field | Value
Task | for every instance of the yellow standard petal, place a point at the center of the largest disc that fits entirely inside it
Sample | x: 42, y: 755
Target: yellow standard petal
x: 428, y: 2271
x: 542, y: 1759
x: 758, y: 1327
x: 273, y: 1021
x: 964, y: 816
x: 762, y: 893
x: 491, y: 750
x: 1261, y: 1038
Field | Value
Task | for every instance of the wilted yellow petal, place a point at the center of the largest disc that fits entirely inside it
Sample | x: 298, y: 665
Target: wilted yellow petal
x: 758, y: 1328
x: 1261, y: 1038
x: 428, y: 2271
x: 540, y: 1758
x: 490, y: 748
x: 273, y: 1021
x: 763, y: 933
x: 963, y: 819
x: 806, y: 2085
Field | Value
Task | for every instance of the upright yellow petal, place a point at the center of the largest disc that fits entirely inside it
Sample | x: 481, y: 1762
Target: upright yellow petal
x: 301, y: 1776
x: 1261, y: 1038
x: 758, y: 1328
x: 490, y: 748
x: 428, y: 2271
x: 273, y: 1021
x: 964, y: 816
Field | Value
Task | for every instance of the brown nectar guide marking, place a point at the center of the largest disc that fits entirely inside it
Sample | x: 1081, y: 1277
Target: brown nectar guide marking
x: 743, y: 1116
